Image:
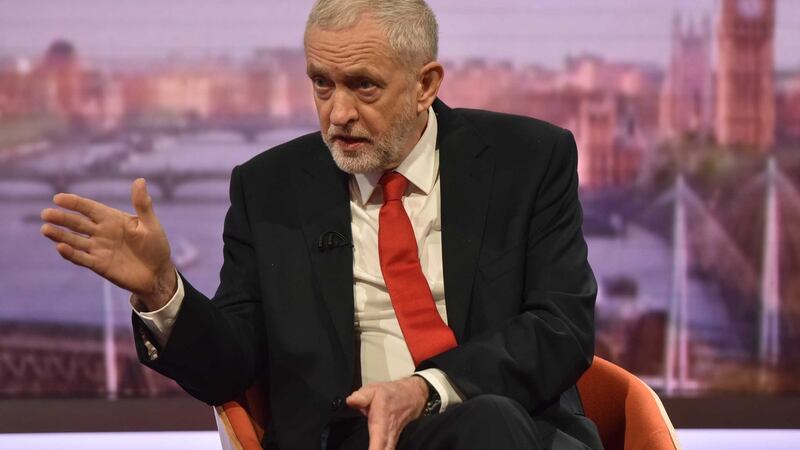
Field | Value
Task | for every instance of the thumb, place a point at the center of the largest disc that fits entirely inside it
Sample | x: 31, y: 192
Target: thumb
x: 142, y: 202
x: 360, y: 399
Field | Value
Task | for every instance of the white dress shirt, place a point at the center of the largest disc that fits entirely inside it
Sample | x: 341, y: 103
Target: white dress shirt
x: 384, y: 355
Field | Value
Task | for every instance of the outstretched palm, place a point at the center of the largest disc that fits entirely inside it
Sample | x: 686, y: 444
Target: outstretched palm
x: 131, y: 251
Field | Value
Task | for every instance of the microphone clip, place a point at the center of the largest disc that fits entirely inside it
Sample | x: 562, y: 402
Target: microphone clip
x: 332, y: 239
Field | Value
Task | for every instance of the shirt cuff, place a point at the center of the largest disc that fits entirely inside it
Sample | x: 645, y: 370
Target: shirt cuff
x: 160, y: 321
x: 440, y: 382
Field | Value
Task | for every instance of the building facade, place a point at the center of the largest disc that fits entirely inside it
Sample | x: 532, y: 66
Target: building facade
x: 745, y: 94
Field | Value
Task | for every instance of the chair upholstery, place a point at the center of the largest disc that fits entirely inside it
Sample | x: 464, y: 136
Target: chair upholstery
x: 628, y: 414
x: 241, y: 422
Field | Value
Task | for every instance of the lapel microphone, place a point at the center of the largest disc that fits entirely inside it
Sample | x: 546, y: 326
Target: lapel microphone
x: 332, y: 239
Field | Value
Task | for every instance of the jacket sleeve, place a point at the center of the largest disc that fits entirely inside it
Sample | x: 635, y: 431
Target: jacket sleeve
x: 543, y: 350
x: 216, y: 348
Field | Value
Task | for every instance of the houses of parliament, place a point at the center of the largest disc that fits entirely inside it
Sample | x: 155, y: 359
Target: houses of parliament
x: 735, y: 103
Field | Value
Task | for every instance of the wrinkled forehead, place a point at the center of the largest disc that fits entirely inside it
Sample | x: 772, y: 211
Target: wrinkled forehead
x: 364, y: 45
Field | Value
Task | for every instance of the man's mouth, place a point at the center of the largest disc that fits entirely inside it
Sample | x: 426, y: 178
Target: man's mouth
x: 350, y: 142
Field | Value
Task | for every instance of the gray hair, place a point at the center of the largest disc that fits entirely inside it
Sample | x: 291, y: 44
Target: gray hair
x: 410, y: 25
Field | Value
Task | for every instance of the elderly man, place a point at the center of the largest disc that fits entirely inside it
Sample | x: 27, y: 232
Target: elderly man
x: 412, y: 276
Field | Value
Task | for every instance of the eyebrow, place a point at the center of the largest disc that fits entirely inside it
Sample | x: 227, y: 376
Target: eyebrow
x: 313, y: 70
x: 359, y: 72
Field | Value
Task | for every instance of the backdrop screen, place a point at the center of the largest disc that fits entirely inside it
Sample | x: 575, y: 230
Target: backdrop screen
x: 686, y: 114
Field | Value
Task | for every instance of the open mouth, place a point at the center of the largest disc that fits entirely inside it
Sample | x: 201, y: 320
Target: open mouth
x: 350, y: 141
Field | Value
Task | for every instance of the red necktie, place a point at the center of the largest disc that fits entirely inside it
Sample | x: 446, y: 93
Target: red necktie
x: 425, y: 332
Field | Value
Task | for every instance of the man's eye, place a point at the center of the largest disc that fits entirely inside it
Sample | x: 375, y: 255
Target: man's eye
x: 321, y: 83
x: 366, y: 84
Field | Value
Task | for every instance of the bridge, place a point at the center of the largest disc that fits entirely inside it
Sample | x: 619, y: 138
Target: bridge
x: 248, y: 127
x: 52, y: 359
x: 165, y: 179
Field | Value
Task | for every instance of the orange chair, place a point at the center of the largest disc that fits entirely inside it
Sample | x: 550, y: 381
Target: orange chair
x: 241, y: 422
x: 628, y: 414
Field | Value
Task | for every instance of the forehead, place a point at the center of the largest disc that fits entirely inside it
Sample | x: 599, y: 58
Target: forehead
x: 361, y: 47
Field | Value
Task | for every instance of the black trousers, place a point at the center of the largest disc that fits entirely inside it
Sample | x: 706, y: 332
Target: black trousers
x: 483, y: 422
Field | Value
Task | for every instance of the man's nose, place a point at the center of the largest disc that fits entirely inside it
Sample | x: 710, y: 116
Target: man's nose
x: 343, y: 110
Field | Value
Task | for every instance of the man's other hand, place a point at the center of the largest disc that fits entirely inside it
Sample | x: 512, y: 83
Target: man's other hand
x: 131, y: 251
x: 389, y: 407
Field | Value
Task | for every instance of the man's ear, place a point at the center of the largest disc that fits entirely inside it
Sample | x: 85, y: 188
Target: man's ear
x: 428, y: 83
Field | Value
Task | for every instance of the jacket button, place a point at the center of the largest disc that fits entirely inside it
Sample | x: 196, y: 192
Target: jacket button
x: 336, y: 403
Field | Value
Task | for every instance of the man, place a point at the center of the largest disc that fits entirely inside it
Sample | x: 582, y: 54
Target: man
x: 412, y: 276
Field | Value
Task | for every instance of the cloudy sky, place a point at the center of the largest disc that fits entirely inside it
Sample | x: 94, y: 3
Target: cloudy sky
x: 540, y: 31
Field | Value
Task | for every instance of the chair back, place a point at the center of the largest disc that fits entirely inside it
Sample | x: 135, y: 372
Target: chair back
x: 241, y: 422
x: 628, y: 414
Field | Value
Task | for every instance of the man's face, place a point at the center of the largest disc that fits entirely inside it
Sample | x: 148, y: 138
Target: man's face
x: 365, y: 98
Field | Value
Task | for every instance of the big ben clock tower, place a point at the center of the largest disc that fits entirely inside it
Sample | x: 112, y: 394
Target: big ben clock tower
x: 745, y: 103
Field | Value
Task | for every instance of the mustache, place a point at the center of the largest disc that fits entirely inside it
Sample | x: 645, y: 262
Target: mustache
x: 348, y: 133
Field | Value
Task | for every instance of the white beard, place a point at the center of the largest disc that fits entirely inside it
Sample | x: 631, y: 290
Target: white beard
x: 374, y: 155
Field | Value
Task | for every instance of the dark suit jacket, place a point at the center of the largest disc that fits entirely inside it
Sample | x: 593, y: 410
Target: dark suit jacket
x: 519, y: 291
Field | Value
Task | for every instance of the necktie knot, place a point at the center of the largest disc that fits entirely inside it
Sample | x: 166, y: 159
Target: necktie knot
x: 394, y: 186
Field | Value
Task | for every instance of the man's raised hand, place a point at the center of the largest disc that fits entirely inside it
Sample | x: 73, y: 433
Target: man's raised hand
x: 131, y: 251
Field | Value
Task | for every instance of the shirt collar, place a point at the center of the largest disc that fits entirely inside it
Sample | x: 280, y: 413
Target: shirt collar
x: 419, y: 167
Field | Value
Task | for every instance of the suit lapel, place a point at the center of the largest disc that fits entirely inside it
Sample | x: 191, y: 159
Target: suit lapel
x: 325, y: 208
x: 465, y: 169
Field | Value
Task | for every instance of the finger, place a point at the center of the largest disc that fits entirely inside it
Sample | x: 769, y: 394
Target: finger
x: 142, y: 202
x: 74, y: 256
x: 75, y: 222
x: 88, y: 207
x: 390, y: 442
x: 377, y: 434
x: 361, y: 398
x: 60, y: 235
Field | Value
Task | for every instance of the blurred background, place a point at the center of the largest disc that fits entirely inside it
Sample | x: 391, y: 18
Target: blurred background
x: 686, y: 114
